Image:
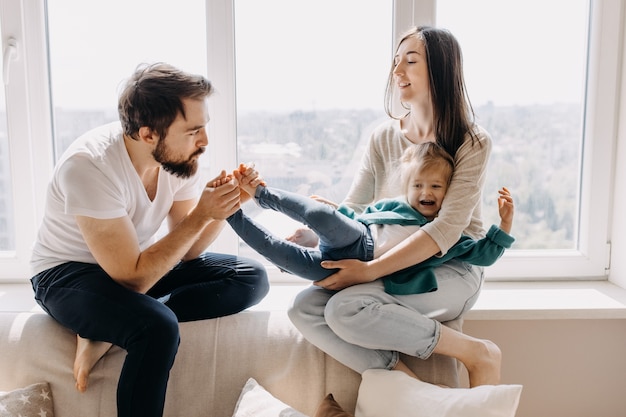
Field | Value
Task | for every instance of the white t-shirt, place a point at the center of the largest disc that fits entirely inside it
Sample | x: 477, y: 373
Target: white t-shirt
x: 96, y: 178
x: 387, y: 236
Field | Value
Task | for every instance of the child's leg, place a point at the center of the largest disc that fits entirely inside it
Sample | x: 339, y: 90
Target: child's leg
x: 333, y: 228
x: 295, y: 259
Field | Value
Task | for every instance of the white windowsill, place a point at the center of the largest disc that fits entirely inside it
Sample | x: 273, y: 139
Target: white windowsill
x: 516, y: 300
x: 498, y: 300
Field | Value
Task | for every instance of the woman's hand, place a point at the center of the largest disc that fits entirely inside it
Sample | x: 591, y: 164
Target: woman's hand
x: 351, y: 272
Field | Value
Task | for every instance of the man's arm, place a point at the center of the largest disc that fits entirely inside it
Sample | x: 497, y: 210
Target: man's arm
x: 114, y: 243
x: 179, y: 212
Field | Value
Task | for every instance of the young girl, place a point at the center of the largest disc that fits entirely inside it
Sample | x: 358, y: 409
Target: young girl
x: 425, y: 172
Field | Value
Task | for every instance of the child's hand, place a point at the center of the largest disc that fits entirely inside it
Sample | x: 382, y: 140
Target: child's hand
x: 506, y: 209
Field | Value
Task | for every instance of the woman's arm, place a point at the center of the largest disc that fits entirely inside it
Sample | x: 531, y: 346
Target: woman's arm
x: 416, y: 248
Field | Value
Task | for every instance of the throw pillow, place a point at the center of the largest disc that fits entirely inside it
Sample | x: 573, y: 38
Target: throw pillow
x: 330, y: 408
x: 395, y: 394
x: 255, y: 401
x: 32, y: 401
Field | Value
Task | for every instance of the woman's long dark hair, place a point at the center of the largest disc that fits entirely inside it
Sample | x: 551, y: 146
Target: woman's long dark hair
x: 453, y: 112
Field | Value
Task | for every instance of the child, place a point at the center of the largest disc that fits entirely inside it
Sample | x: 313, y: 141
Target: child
x: 425, y: 170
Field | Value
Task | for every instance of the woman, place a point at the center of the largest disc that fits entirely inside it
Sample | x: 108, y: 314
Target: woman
x: 362, y: 326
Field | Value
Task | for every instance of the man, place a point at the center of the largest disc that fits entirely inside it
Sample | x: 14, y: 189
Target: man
x: 98, y: 268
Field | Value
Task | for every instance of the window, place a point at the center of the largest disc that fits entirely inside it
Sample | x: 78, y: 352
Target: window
x: 7, y: 231
x: 530, y: 97
x: 95, y: 46
x: 70, y: 59
x: 309, y: 89
x: 530, y: 91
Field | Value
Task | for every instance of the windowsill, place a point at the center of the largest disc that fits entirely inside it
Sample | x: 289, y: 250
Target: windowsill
x: 498, y: 301
x: 516, y: 300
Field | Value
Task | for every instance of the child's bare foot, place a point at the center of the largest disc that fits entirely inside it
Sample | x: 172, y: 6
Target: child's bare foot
x: 88, y: 353
x: 485, y: 370
x: 248, y: 179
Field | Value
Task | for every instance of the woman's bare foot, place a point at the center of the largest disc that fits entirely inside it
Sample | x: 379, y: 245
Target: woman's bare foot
x: 482, y: 358
x: 485, y: 369
x: 88, y: 353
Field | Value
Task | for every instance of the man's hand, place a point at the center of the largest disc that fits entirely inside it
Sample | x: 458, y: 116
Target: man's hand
x: 219, y: 199
x: 351, y: 272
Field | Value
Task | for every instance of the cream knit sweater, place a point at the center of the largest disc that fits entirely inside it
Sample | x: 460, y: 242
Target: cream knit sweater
x: 378, y: 177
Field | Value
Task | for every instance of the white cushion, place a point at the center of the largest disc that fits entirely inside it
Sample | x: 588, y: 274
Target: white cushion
x: 395, y: 394
x: 255, y: 401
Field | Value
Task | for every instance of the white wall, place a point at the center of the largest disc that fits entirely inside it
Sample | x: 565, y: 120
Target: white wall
x: 569, y: 368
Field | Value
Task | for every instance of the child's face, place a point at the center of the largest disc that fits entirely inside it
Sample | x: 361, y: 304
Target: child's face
x: 426, y: 191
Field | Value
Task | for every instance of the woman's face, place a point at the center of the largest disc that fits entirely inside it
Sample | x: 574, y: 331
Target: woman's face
x: 411, y: 71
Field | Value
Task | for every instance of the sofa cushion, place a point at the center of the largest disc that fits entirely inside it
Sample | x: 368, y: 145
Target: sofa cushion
x: 255, y: 401
x: 33, y: 400
x: 395, y: 394
x: 214, y: 361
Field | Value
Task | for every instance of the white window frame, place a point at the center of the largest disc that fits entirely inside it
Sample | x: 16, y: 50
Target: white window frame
x: 31, y: 151
x: 29, y: 126
x: 591, y: 261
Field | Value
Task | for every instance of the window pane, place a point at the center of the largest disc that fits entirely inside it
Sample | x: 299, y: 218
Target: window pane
x: 94, y: 46
x: 310, y: 86
x: 527, y: 86
x: 7, y: 229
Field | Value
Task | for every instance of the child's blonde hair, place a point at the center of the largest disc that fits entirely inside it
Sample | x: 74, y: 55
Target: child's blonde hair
x: 425, y: 156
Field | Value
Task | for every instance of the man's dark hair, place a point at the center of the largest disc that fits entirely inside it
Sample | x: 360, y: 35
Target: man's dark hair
x: 153, y: 97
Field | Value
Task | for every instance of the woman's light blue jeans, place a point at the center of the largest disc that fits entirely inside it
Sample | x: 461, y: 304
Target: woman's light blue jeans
x: 363, y: 327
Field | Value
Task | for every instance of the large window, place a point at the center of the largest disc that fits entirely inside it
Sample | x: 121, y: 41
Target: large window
x: 95, y: 46
x: 527, y: 88
x: 309, y: 89
x: 7, y: 221
x: 300, y: 85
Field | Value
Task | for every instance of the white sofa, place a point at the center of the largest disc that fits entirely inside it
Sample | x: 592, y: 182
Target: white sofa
x: 215, y: 359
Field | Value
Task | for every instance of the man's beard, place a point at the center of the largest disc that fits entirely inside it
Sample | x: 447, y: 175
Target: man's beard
x: 182, y: 169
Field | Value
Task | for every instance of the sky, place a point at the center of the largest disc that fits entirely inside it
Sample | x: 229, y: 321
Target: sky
x: 322, y: 54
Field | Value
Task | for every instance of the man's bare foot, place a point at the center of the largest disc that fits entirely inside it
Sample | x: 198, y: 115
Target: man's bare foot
x: 485, y: 370
x: 88, y: 353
